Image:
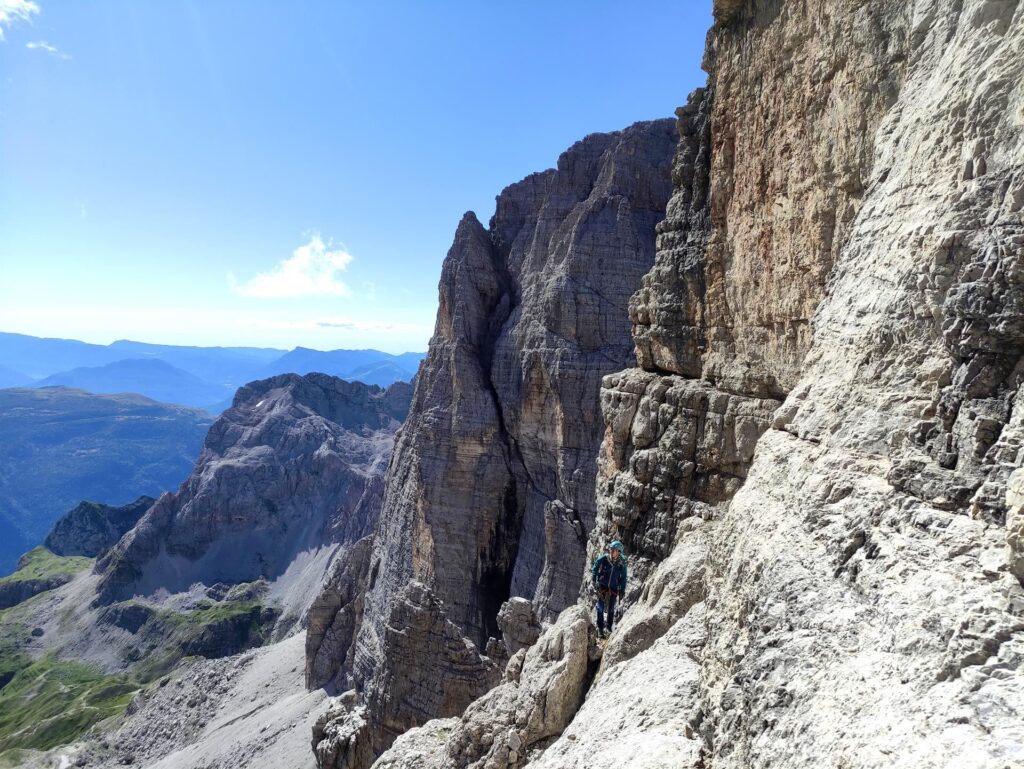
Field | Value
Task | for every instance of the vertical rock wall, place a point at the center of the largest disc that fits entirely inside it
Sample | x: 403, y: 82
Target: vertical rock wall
x: 816, y: 463
x: 768, y: 176
x: 860, y: 584
x: 491, y: 489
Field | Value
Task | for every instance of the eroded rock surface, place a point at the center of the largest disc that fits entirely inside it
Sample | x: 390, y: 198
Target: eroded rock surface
x: 541, y: 690
x: 491, y: 490
x: 91, y: 527
x: 432, y: 671
x: 857, y: 564
x: 816, y: 463
x: 295, y: 464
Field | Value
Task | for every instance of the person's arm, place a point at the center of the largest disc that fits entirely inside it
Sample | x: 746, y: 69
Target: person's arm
x: 594, y: 570
x: 622, y: 580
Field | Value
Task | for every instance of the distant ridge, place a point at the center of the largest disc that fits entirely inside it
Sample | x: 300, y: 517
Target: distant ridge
x: 198, y: 376
x: 151, y: 377
x: 59, y: 446
x: 11, y: 378
x: 367, y: 366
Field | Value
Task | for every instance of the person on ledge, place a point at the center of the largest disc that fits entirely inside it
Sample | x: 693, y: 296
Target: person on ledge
x: 609, y: 577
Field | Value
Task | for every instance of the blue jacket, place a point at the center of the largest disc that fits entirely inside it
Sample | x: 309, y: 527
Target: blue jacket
x: 609, y: 576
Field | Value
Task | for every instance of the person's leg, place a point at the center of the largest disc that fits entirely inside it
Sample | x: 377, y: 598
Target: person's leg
x: 600, y: 614
x: 612, y: 598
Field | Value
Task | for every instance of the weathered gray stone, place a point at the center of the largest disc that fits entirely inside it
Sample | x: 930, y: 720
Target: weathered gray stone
x: 1015, y: 523
x: 491, y: 490
x: 519, y: 625
x: 296, y: 463
x: 859, y: 569
x: 525, y: 710
x: 432, y: 670
x: 673, y: 448
x: 91, y: 527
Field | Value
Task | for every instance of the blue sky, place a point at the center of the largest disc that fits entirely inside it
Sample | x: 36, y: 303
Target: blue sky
x: 280, y: 174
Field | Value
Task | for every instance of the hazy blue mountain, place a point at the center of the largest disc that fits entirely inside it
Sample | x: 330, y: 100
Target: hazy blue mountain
x: 345, y: 364
x: 303, y: 360
x: 410, y: 360
x: 59, y: 446
x: 153, y: 378
x: 382, y: 373
x: 11, y: 378
x: 199, y: 376
x: 227, y: 366
x: 38, y: 357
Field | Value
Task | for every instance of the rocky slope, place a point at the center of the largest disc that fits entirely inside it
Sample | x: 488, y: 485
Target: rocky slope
x: 289, y: 479
x: 815, y: 465
x: 491, y: 489
x: 89, y: 528
x: 295, y: 465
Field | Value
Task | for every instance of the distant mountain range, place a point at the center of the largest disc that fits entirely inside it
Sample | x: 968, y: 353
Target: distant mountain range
x: 206, y: 377
x: 151, y: 377
x: 59, y: 446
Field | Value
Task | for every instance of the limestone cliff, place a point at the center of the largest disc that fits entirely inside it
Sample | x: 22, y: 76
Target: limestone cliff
x: 491, y: 489
x: 815, y: 465
x: 295, y: 464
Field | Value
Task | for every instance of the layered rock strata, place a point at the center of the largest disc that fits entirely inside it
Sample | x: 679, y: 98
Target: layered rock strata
x: 858, y: 569
x: 491, y: 490
x: 295, y: 464
x: 817, y: 463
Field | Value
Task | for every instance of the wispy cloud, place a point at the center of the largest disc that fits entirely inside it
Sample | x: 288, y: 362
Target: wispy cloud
x: 12, y: 11
x: 282, y: 326
x: 42, y: 45
x: 312, y: 270
x: 376, y: 326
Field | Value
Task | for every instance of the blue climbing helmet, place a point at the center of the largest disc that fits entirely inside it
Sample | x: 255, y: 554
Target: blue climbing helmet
x: 616, y: 545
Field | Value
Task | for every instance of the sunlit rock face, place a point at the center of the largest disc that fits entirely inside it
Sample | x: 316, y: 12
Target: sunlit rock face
x: 851, y: 267
x: 815, y: 464
x: 491, y: 491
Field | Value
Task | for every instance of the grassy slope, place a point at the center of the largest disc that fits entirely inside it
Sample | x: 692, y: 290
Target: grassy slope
x: 50, y: 701
x: 39, y: 563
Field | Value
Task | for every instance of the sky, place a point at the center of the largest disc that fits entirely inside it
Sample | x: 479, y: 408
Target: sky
x: 249, y: 172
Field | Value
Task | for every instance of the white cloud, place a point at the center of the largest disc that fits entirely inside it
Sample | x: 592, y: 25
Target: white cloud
x: 313, y: 270
x: 12, y: 11
x: 42, y: 45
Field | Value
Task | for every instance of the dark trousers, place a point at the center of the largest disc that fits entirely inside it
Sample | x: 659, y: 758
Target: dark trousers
x: 606, y: 598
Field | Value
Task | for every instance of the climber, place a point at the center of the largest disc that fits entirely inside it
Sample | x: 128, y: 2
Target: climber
x: 609, y: 578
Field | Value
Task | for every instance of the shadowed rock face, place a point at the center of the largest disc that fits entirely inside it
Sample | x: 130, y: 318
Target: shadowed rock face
x: 491, y: 489
x: 296, y: 463
x: 91, y: 527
